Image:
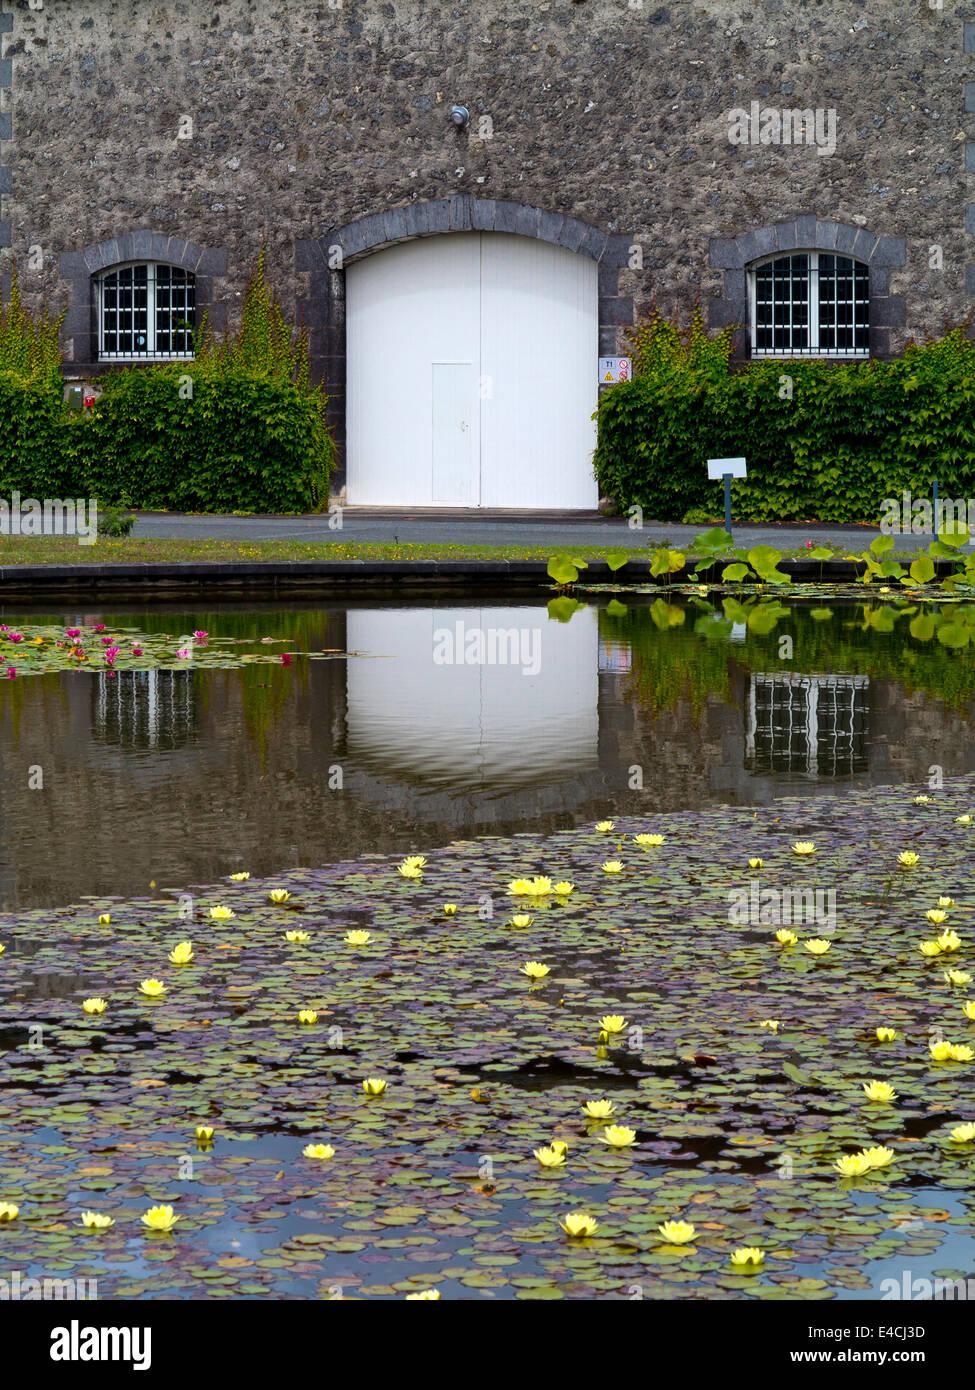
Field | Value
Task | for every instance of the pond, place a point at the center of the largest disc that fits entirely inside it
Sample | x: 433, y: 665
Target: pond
x: 772, y: 759
x: 180, y: 775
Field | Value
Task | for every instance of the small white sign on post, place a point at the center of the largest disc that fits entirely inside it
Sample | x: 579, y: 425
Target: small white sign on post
x: 726, y: 469
x: 613, y: 370
x: 717, y: 468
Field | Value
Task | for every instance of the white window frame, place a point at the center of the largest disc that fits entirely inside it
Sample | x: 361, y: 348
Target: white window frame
x: 151, y: 355
x: 813, y: 351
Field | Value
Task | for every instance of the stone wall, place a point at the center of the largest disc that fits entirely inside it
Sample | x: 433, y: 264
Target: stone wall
x: 302, y: 119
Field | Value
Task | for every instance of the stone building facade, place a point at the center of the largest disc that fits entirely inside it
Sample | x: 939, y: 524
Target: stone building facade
x: 179, y: 133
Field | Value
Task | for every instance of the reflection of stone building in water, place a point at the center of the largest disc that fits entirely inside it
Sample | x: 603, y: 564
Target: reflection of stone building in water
x: 183, y: 777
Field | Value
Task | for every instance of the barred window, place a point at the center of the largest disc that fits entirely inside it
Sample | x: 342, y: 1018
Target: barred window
x: 146, y: 311
x: 810, y: 304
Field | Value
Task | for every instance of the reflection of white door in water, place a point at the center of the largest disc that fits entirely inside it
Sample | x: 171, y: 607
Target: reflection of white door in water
x: 472, y: 726
x: 522, y: 314
x: 455, y: 477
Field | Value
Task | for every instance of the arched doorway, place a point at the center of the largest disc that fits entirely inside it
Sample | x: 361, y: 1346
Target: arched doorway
x: 459, y: 340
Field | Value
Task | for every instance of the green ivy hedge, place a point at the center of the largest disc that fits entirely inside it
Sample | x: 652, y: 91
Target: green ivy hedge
x: 824, y: 442
x: 239, y: 428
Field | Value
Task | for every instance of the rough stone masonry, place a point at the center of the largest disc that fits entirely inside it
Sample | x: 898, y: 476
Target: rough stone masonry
x: 185, y: 132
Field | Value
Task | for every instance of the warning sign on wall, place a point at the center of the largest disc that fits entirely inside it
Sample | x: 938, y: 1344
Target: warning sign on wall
x: 613, y: 370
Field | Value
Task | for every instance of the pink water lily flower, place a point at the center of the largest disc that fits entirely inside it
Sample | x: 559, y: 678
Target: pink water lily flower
x: 72, y: 632
x: 287, y: 659
x: 183, y: 651
x: 99, y: 627
x: 136, y: 651
x: 16, y: 636
x: 201, y: 636
x: 11, y: 672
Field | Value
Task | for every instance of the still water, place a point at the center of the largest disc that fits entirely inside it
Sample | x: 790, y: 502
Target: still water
x: 403, y: 733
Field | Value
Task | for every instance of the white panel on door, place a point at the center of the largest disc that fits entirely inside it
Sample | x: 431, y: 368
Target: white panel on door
x: 539, y: 341
x: 456, y: 471
x: 406, y: 307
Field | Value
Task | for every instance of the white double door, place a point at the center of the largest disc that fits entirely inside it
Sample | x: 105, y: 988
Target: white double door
x: 471, y: 375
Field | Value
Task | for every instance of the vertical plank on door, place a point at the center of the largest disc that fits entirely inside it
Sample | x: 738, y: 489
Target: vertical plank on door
x: 456, y: 473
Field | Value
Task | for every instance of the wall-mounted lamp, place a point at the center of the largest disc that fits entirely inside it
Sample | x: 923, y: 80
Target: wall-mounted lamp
x: 460, y: 116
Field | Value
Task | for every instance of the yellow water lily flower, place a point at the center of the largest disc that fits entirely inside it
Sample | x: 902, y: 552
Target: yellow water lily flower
x: 2, y: 948
x: 307, y: 1016
x: 522, y: 919
x: 878, y: 1157
x: 961, y: 1052
x: 748, y: 1257
x: 929, y: 948
x: 417, y: 860
x: 182, y: 953
x: 968, y: 1008
x: 963, y: 1134
x: 785, y: 937
x: 804, y: 847
x: 963, y: 820
x: 374, y: 1086
x: 424, y: 1296
x: 756, y: 863
x: 105, y: 919
x: 534, y: 969
x: 239, y: 878
x: 95, y: 1005
x: 279, y: 895
x: 613, y: 866
x: 649, y: 841
x: 605, y: 826
x: 949, y: 941
x: 886, y: 1034
x: 817, y: 945
x: 318, y: 1151
x: 297, y: 936
x: 8, y: 1211
x: 160, y: 1219
x: 937, y: 915
x: 221, y: 913
x: 550, y: 1157
x: 204, y: 1132
x: 450, y: 909
x: 152, y: 989
x: 559, y: 1145
x: 564, y: 888
x: 921, y: 800
x: 599, y: 1109
x: 579, y: 1223
x: 96, y: 1221
x: 879, y: 1091
x: 852, y: 1165
x: 612, y: 1023
x: 358, y: 938
x: 520, y: 887
x: 409, y: 870
x: 772, y: 1024
x: 940, y: 1051
x: 677, y: 1232
x: 541, y: 886
x: 618, y: 1136
x: 945, y: 902
x: 907, y: 859
x: 958, y: 978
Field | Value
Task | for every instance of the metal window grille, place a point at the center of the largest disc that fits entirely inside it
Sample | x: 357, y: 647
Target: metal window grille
x: 811, y: 304
x: 146, y: 311
x: 810, y: 726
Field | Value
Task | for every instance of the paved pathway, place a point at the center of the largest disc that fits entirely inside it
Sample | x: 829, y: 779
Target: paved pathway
x: 484, y: 528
